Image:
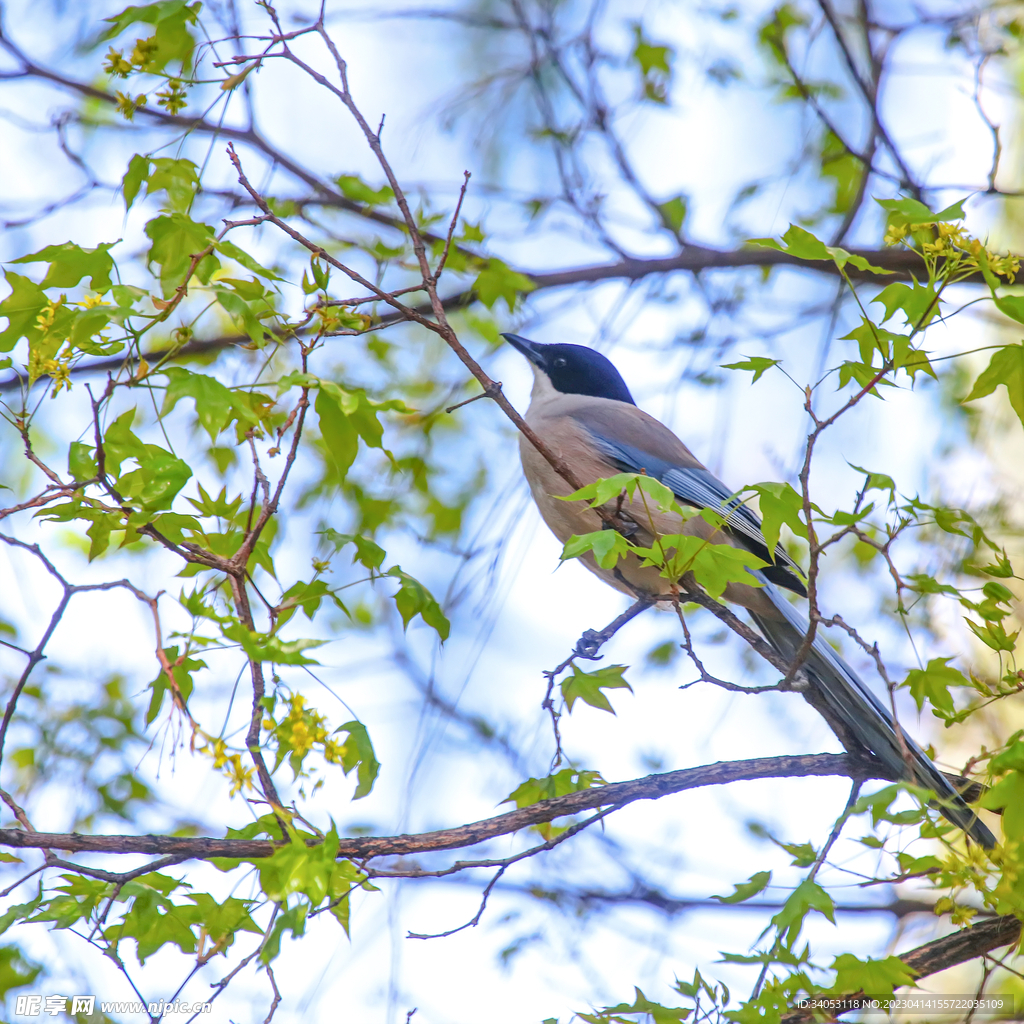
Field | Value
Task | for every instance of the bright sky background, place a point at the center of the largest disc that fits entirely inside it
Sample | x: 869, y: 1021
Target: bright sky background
x: 694, y: 844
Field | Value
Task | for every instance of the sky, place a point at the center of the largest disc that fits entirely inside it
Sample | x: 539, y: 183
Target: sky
x: 528, y: 959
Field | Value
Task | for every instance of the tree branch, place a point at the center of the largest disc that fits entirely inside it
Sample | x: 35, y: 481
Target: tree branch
x: 651, y: 787
x: 946, y: 952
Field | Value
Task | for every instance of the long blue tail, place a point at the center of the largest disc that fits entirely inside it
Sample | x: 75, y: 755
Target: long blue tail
x: 864, y: 715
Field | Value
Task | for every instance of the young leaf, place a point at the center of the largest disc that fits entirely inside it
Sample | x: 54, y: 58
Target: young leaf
x: 875, y: 978
x: 607, y: 547
x: 673, y: 213
x: 268, y: 647
x: 779, y: 504
x: 933, y: 683
x: 1006, y: 367
x: 568, y: 780
x: 412, y: 598
x: 499, y: 281
x: 176, y: 238
x: 758, y: 365
x: 657, y: 1013
x: 587, y: 686
x: 807, y: 896
x: 758, y: 883
x: 69, y: 263
x: 358, y: 751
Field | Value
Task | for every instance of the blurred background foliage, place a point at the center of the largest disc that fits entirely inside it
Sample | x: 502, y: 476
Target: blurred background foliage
x: 621, y: 155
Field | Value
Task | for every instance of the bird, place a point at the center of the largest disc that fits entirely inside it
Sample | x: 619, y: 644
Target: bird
x: 582, y: 409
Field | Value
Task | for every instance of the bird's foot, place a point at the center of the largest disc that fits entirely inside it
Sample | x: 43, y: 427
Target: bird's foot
x: 589, y: 644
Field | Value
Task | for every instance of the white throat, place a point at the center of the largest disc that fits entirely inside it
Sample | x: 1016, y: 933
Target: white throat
x: 543, y: 389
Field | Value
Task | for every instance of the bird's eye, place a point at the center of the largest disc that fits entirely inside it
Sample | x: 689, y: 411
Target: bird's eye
x: 559, y: 363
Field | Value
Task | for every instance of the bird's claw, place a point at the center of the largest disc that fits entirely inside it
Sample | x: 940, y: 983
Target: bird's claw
x: 589, y: 644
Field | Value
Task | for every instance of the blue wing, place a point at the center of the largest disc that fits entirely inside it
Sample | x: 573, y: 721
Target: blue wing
x: 701, y: 489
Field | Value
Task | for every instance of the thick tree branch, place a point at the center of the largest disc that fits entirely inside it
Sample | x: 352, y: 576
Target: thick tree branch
x: 651, y: 787
x: 950, y: 950
x: 695, y: 259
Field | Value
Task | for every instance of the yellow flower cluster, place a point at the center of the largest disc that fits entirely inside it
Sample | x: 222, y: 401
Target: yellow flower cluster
x: 952, y: 243
x: 240, y: 776
x: 60, y: 373
x: 302, y: 729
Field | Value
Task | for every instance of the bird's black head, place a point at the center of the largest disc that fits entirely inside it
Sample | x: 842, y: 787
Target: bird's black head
x: 574, y: 369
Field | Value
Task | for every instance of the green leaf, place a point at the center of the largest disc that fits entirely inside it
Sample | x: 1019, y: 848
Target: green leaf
x: 641, y: 1005
x: 177, y: 178
x: 293, y: 920
x: 779, y: 504
x: 69, y: 263
x: 157, y: 481
x: 1001, y: 569
x: 879, y: 803
x: 807, y: 896
x: 358, y: 751
x: 16, y: 970
x: 920, y: 303
x: 171, y: 40
x: 134, y: 178
x: 994, y: 635
x: 568, y: 780
x: 875, y: 481
x: 268, y: 647
x: 367, y: 553
x: 412, y: 598
x: 607, y: 547
x: 907, y: 211
x: 354, y: 188
x: 845, y: 170
x: 864, y: 374
x: 221, y: 921
x: 212, y: 399
x: 714, y: 566
x: 673, y: 213
x: 306, y: 596
x: 756, y: 364
x: 758, y: 883
x: 803, y: 854
x: 21, y: 308
x: 153, y: 920
x: 802, y: 245
x: 499, y: 281
x: 587, y: 686
x: 1006, y: 367
x: 216, y: 405
x: 933, y: 683
x: 655, y: 65
x: 176, y: 238
x: 345, y: 416
x: 232, y: 251
x: 607, y: 489
x: 81, y: 461
x: 182, y: 668
x: 875, y: 978
x: 1007, y: 795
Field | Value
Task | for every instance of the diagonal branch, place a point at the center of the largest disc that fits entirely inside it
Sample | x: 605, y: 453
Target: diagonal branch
x: 618, y: 794
x: 950, y: 950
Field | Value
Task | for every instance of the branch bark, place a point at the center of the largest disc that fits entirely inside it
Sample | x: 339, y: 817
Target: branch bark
x: 618, y: 794
x: 693, y: 260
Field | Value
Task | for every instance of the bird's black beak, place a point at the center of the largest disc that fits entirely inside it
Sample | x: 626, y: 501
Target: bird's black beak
x: 533, y: 350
